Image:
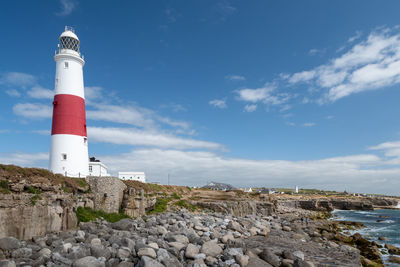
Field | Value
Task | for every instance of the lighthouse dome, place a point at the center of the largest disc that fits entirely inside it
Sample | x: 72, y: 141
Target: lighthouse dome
x: 69, y: 40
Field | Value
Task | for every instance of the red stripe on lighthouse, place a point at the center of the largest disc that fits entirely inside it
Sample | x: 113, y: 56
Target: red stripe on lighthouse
x: 69, y: 115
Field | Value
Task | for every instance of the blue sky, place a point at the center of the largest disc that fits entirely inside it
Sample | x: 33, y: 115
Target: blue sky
x: 253, y: 93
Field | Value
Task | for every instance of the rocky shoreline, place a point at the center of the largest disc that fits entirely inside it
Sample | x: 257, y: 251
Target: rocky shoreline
x: 183, y: 238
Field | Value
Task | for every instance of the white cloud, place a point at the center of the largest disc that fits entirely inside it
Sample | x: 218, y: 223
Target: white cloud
x: 370, y: 64
x: 18, y: 79
x: 355, y: 37
x: 353, y: 173
x: 250, y: 107
x: 25, y: 159
x: 13, y: 93
x: 266, y: 95
x: 136, y: 137
x: 33, y: 110
x: 308, y: 124
x: 39, y: 92
x: 219, y: 103
x: 67, y: 6
x: 235, y: 77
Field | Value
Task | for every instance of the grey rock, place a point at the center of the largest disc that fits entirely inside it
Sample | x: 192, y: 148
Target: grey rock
x: 162, y: 255
x: 95, y: 242
x: 268, y: 256
x: 124, y: 224
x: 123, y: 253
x: 147, y: 252
x: 234, y: 251
x: 177, y: 245
x: 22, y: 253
x: 45, y: 252
x: 191, y: 251
x: 88, y: 261
x: 114, y: 262
x: 211, y: 248
x: 7, y: 263
x: 181, y: 239
x: 301, y: 263
x: 299, y: 254
x: 288, y: 255
x: 243, y: 260
x: 78, y: 252
x: 9, y: 243
x: 256, y: 262
x: 100, y: 251
x: 126, y: 264
x: 149, y: 262
x: 58, y: 259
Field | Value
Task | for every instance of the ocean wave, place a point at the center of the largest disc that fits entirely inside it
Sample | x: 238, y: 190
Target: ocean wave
x: 388, y: 221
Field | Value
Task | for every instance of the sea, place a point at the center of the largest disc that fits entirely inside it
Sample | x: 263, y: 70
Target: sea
x: 380, y: 222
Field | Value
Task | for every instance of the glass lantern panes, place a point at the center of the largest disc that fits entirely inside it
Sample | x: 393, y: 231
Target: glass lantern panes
x: 69, y: 43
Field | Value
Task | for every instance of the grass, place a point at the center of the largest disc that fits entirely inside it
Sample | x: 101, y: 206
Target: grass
x: 33, y: 190
x: 4, y: 187
x: 87, y: 214
x: 34, y: 199
x: 175, y: 196
x: 81, y: 182
x: 160, y: 206
x: 184, y: 204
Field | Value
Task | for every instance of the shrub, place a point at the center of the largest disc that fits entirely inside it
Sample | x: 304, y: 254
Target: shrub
x: 88, y: 214
x: 33, y: 190
x: 160, y: 206
x: 184, y: 204
x: 34, y: 199
x: 175, y: 196
x: 4, y: 187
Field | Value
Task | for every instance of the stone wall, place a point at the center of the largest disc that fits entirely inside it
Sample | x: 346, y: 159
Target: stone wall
x: 135, y: 204
x: 238, y: 208
x: 108, y: 192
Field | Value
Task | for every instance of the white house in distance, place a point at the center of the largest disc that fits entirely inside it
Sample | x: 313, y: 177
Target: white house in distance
x: 97, y: 168
x: 134, y: 176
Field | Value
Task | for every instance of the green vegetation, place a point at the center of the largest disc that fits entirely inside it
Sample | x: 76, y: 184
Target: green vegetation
x: 188, y: 187
x: 65, y: 189
x: 34, y: 199
x: 88, y: 214
x: 81, y: 182
x: 155, y: 187
x: 175, y: 196
x: 4, y: 187
x: 33, y: 190
x: 184, y: 204
x: 160, y: 206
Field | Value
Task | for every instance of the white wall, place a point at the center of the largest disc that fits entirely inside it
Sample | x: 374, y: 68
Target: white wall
x: 134, y: 176
x: 97, y: 169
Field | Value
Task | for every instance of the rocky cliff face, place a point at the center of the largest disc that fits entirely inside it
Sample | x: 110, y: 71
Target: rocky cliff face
x: 23, y: 217
x: 329, y: 204
x: 238, y: 208
x: 135, y: 203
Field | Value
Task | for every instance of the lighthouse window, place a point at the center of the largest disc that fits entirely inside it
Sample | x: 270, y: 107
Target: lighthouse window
x: 90, y: 168
x: 64, y: 156
x: 66, y: 65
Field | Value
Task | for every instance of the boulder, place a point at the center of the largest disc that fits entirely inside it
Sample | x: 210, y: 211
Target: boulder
x: 149, y: 262
x: 88, y: 261
x: 211, y: 248
x: 243, y: 260
x: 392, y: 249
x: 268, y: 256
x: 124, y: 224
x: 22, y: 253
x: 9, y: 243
x: 191, y: 251
x: 7, y: 263
x: 149, y: 252
x: 257, y: 262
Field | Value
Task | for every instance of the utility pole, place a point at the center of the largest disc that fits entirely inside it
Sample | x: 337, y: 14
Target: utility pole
x: 168, y: 178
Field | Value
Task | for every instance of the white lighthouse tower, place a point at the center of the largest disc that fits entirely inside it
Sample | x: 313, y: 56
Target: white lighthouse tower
x: 69, y: 146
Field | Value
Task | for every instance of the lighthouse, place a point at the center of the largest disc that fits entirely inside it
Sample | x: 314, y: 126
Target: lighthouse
x: 69, y: 144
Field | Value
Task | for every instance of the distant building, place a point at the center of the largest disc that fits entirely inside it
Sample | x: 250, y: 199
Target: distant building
x: 219, y: 186
x: 296, y: 189
x: 97, y: 168
x: 133, y: 176
x: 248, y: 190
x: 267, y: 191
